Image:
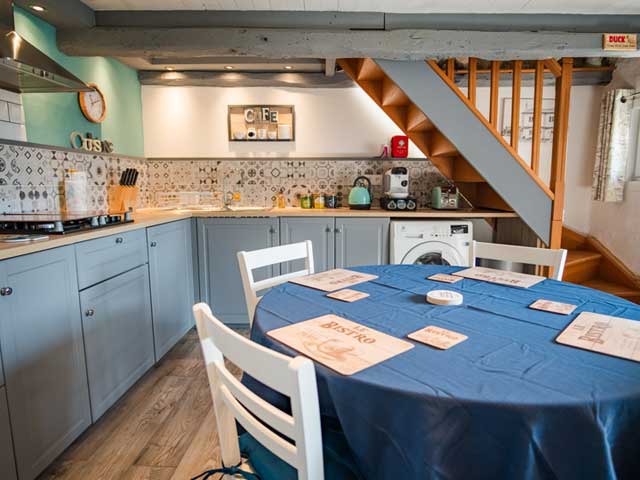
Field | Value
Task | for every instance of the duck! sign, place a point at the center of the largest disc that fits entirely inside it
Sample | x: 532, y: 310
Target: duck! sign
x: 620, y: 41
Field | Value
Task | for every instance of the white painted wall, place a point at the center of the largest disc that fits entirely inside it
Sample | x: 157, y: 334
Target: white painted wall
x: 192, y: 122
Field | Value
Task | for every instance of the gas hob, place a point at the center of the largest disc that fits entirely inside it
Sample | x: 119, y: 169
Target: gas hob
x: 58, y: 224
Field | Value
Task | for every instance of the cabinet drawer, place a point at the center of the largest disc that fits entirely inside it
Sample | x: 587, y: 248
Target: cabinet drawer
x: 107, y: 257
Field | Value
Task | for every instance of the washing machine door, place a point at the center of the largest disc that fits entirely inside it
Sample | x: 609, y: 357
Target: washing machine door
x: 433, y: 253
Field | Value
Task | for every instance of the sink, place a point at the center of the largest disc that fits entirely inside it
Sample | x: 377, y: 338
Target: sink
x: 211, y: 208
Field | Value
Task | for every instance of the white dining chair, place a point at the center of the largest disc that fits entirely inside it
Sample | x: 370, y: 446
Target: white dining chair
x: 295, y: 439
x: 249, y: 261
x: 554, y: 258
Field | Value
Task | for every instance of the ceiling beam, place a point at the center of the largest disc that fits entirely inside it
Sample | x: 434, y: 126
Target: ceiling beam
x: 244, y: 79
x: 371, y: 21
x: 241, y: 19
x: 61, y: 13
x: 298, y: 43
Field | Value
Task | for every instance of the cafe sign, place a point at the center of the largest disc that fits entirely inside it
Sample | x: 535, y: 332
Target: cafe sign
x: 89, y: 143
x: 620, y: 41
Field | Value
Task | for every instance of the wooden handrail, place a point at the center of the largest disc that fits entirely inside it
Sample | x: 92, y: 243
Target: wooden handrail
x: 433, y: 64
x: 559, y: 152
x: 515, y: 104
x: 472, y: 83
x: 537, y: 117
x: 493, y: 98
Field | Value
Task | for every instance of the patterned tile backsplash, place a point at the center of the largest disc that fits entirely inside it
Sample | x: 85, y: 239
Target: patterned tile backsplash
x: 31, y: 178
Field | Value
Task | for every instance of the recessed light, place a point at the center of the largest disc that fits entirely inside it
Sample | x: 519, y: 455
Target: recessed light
x: 228, y: 67
x: 170, y: 69
x: 38, y: 8
x: 288, y: 67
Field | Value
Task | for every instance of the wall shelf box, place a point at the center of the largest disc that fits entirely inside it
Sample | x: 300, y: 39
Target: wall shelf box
x: 261, y: 123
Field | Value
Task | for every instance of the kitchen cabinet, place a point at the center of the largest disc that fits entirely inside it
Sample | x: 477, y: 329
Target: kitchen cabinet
x: 171, y: 274
x: 219, y: 241
x: 320, y: 231
x: 42, y: 349
x: 107, y: 257
x: 7, y: 461
x: 361, y: 241
x: 118, y: 335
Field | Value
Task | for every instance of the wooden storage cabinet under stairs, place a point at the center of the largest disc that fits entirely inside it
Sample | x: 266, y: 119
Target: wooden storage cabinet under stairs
x: 591, y: 264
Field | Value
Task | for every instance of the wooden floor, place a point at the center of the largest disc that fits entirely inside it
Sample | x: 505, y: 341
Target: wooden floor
x: 163, y: 428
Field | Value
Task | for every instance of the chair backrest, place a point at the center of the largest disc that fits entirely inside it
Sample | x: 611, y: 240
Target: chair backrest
x: 516, y: 253
x: 249, y: 261
x: 293, y: 377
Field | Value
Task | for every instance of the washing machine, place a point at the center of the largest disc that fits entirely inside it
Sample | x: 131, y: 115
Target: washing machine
x: 431, y: 242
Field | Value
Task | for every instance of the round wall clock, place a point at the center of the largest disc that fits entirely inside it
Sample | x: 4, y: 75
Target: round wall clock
x: 93, y: 104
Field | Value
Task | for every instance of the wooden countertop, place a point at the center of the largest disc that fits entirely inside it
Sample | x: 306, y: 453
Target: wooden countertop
x: 150, y: 217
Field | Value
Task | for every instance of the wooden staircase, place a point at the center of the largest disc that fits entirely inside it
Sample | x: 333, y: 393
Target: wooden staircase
x: 445, y: 124
x: 591, y: 264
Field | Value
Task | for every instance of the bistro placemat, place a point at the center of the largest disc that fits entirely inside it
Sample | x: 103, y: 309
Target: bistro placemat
x: 335, y: 279
x: 501, y: 277
x: 340, y: 344
x: 618, y: 337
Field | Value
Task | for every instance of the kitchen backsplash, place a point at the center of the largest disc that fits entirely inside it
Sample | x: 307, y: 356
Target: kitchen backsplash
x: 31, y: 178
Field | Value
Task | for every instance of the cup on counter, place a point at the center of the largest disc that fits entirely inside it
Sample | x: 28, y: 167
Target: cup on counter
x: 330, y: 201
x: 262, y: 134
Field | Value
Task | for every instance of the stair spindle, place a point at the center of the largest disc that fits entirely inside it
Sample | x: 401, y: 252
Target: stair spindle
x: 515, y: 104
x: 493, y: 101
x: 472, y: 83
x: 537, y: 117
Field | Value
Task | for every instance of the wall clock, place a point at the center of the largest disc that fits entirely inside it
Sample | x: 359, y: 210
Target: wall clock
x: 93, y: 104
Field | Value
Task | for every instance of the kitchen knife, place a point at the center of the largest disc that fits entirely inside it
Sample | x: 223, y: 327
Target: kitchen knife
x: 135, y: 176
x: 128, y: 177
x: 122, y: 175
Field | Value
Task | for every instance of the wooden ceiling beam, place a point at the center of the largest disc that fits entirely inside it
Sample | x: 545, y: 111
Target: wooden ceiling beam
x: 315, y: 43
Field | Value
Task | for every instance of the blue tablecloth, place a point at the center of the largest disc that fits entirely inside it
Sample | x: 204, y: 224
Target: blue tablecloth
x: 508, y: 403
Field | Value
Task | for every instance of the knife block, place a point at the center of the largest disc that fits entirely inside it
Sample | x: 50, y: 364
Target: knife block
x: 122, y: 198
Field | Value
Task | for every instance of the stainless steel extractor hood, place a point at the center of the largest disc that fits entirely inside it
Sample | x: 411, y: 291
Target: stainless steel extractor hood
x: 24, y: 68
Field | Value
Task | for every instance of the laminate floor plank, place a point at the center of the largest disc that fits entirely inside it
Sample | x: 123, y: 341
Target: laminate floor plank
x: 162, y: 428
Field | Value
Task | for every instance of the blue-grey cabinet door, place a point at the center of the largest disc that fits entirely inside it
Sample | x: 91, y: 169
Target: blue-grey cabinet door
x: 362, y: 241
x: 171, y: 274
x: 41, y: 336
x: 7, y: 460
x: 219, y: 241
x: 317, y: 229
x: 116, y: 316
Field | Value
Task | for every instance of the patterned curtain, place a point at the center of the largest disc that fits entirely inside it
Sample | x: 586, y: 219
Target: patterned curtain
x: 612, y: 152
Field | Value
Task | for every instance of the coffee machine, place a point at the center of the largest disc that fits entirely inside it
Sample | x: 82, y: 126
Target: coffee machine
x: 396, y: 190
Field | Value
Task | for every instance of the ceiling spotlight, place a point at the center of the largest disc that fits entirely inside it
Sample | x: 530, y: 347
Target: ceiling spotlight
x: 169, y: 69
x: 288, y: 67
x: 38, y: 8
x: 228, y: 67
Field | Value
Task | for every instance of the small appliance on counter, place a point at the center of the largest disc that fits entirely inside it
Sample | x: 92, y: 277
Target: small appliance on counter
x: 445, y: 198
x: 396, y: 190
x: 56, y: 223
x: 360, y: 196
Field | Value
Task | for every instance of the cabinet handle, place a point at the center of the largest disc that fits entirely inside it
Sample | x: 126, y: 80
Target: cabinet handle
x: 90, y: 312
x: 119, y: 240
x: 272, y: 230
x: 338, y: 230
x: 328, y: 229
x: 153, y: 244
x: 6, y: 291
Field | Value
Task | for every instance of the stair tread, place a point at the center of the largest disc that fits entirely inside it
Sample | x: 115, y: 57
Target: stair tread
x: 579, y: 256
x: 611, y: 287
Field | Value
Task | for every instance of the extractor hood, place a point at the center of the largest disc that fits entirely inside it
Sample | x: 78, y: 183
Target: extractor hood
x: 24, y: 68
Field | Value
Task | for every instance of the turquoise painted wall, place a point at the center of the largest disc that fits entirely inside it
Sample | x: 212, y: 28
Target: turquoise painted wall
x: 51, y: 117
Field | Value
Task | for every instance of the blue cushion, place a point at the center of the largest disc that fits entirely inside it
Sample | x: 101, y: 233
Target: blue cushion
x: 338, y: 460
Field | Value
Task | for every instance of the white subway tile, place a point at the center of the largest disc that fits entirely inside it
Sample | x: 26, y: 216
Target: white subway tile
x: 4, y: 111
x: 16, y: 114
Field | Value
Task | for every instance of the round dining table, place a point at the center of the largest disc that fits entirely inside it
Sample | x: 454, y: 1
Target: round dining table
x: 509, y: 402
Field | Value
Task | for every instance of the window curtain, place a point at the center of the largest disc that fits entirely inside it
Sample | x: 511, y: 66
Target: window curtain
x: 612, y: 151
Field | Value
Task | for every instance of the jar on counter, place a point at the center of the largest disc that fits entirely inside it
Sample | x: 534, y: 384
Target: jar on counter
x: 330, y: 201
x: 318, y: 200
x: 305, y: 201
